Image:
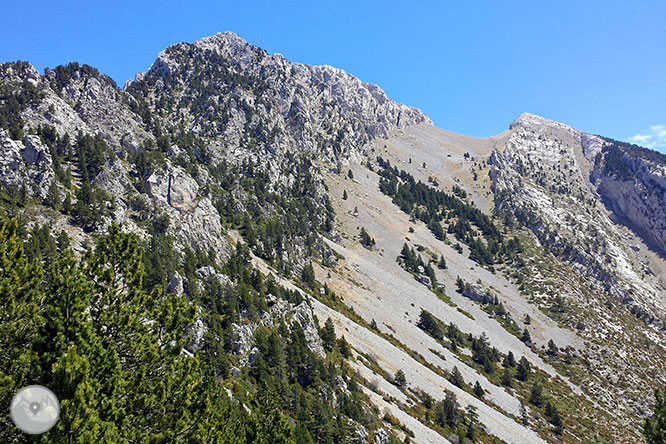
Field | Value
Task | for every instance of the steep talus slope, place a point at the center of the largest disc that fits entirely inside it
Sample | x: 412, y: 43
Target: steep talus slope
x: 227, y: 161
x: 557, y: 181
x: 79, y: 154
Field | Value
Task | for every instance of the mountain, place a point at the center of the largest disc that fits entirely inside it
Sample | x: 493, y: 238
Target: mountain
x: 324, y: 260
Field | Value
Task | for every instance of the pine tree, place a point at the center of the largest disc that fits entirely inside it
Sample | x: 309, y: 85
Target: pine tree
x: 327, y: 334
x: 20, y: 318
x: 509, y: 360
x: 525, y: 337
x: 366, y: 240
x: 344, y: 195
x: 67, y: 206
x: 269, y: 425
x: 428, y: 323
x: 308, y: 276
x: 536, y: 395
x: 654, y: 427
x: 447, y: 411
x: 478, y: 390
x: 473, y: 418
x: 456, y: 378
x: 350, y: 174
x: 523, y: 414
x: 343, y: 346
x: 53, y: 196
x: 524, y: 369
x: 399, y: 379
x: 507, y: 377
x: 554, y: 416
x: 553, y: 350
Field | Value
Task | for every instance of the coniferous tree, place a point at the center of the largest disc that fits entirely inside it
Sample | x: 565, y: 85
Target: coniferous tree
x: 366, y: 240
x: 447, y: 411
x: 507, y: 377
x: 343, y: 346
x: 428, y: 323
x: 509, y: 360
x: 20, y: 319
x: 536, y: 395
x: 654, y: 427
x: 308, y: 276
x: 524, y: 369
x: 456, y: 377
x: 327, y: 334
x: 478, y: 390
x: 400, y: 379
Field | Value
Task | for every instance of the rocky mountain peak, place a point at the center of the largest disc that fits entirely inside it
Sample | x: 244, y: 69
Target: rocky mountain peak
x: 222, y: 87
x: 18, y: 71
x: 534, y: 122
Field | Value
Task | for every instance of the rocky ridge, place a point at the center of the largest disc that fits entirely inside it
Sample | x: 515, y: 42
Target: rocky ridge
x: 225, y: 88
x: 555, y: 180
x: 220, y: 128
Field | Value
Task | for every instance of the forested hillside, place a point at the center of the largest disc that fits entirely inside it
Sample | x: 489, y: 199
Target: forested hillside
x: 234, y: 248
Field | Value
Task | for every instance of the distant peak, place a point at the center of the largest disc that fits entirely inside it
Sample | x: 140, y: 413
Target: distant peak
x: 527, y: 120
x: 221, y: 39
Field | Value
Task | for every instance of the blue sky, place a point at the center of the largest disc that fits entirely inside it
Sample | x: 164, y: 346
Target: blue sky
x: 472, y: 67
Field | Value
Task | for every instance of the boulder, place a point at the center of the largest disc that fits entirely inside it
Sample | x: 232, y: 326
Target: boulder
x: 176, y: 284
x: 243, y: 339
x: 304, y: 315
x: 35, y: 152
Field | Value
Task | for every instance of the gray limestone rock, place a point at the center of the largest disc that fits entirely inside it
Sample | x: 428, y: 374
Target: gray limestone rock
x: 382, y: 436
x: 304, y: 315
x: 243, y: 340
x: 175, y: 284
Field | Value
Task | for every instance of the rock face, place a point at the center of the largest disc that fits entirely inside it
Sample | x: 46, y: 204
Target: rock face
x: 216, y: 134
x: 553, y: 179
x: 26, y: 164
x: 291, y: 107
x: 570, y: 189
x: 632, y: 181
x: 228, y: 100
x: 304, y: 315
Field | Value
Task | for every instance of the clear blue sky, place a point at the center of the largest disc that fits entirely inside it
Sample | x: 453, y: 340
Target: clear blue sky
x: 471, y: 66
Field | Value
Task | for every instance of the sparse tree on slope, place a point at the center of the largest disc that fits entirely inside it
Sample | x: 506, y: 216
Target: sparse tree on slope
x: 654, y: 427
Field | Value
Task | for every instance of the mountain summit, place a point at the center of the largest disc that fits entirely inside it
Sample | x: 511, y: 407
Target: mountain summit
x: 250, y: 249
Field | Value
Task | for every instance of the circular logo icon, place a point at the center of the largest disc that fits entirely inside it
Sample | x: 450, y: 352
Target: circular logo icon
x: 35, y: 409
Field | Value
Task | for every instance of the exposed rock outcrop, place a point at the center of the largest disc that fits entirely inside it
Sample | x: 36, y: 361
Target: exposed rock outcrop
x: 292, y: 107
x: 26, y: 164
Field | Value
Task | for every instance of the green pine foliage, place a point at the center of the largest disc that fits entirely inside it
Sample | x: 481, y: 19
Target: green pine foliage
x: 366, y: 240
x: 654, y: 427
x: 399, y: 379
x: 456, y: 378
x: 536, y: 395
x: 327, y: 334
x: 276, y: 218
x: 432, y: 206
x: 412, y: 261
x: 110, y: 347
x: 429, y: 324
x: 524, y: 369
